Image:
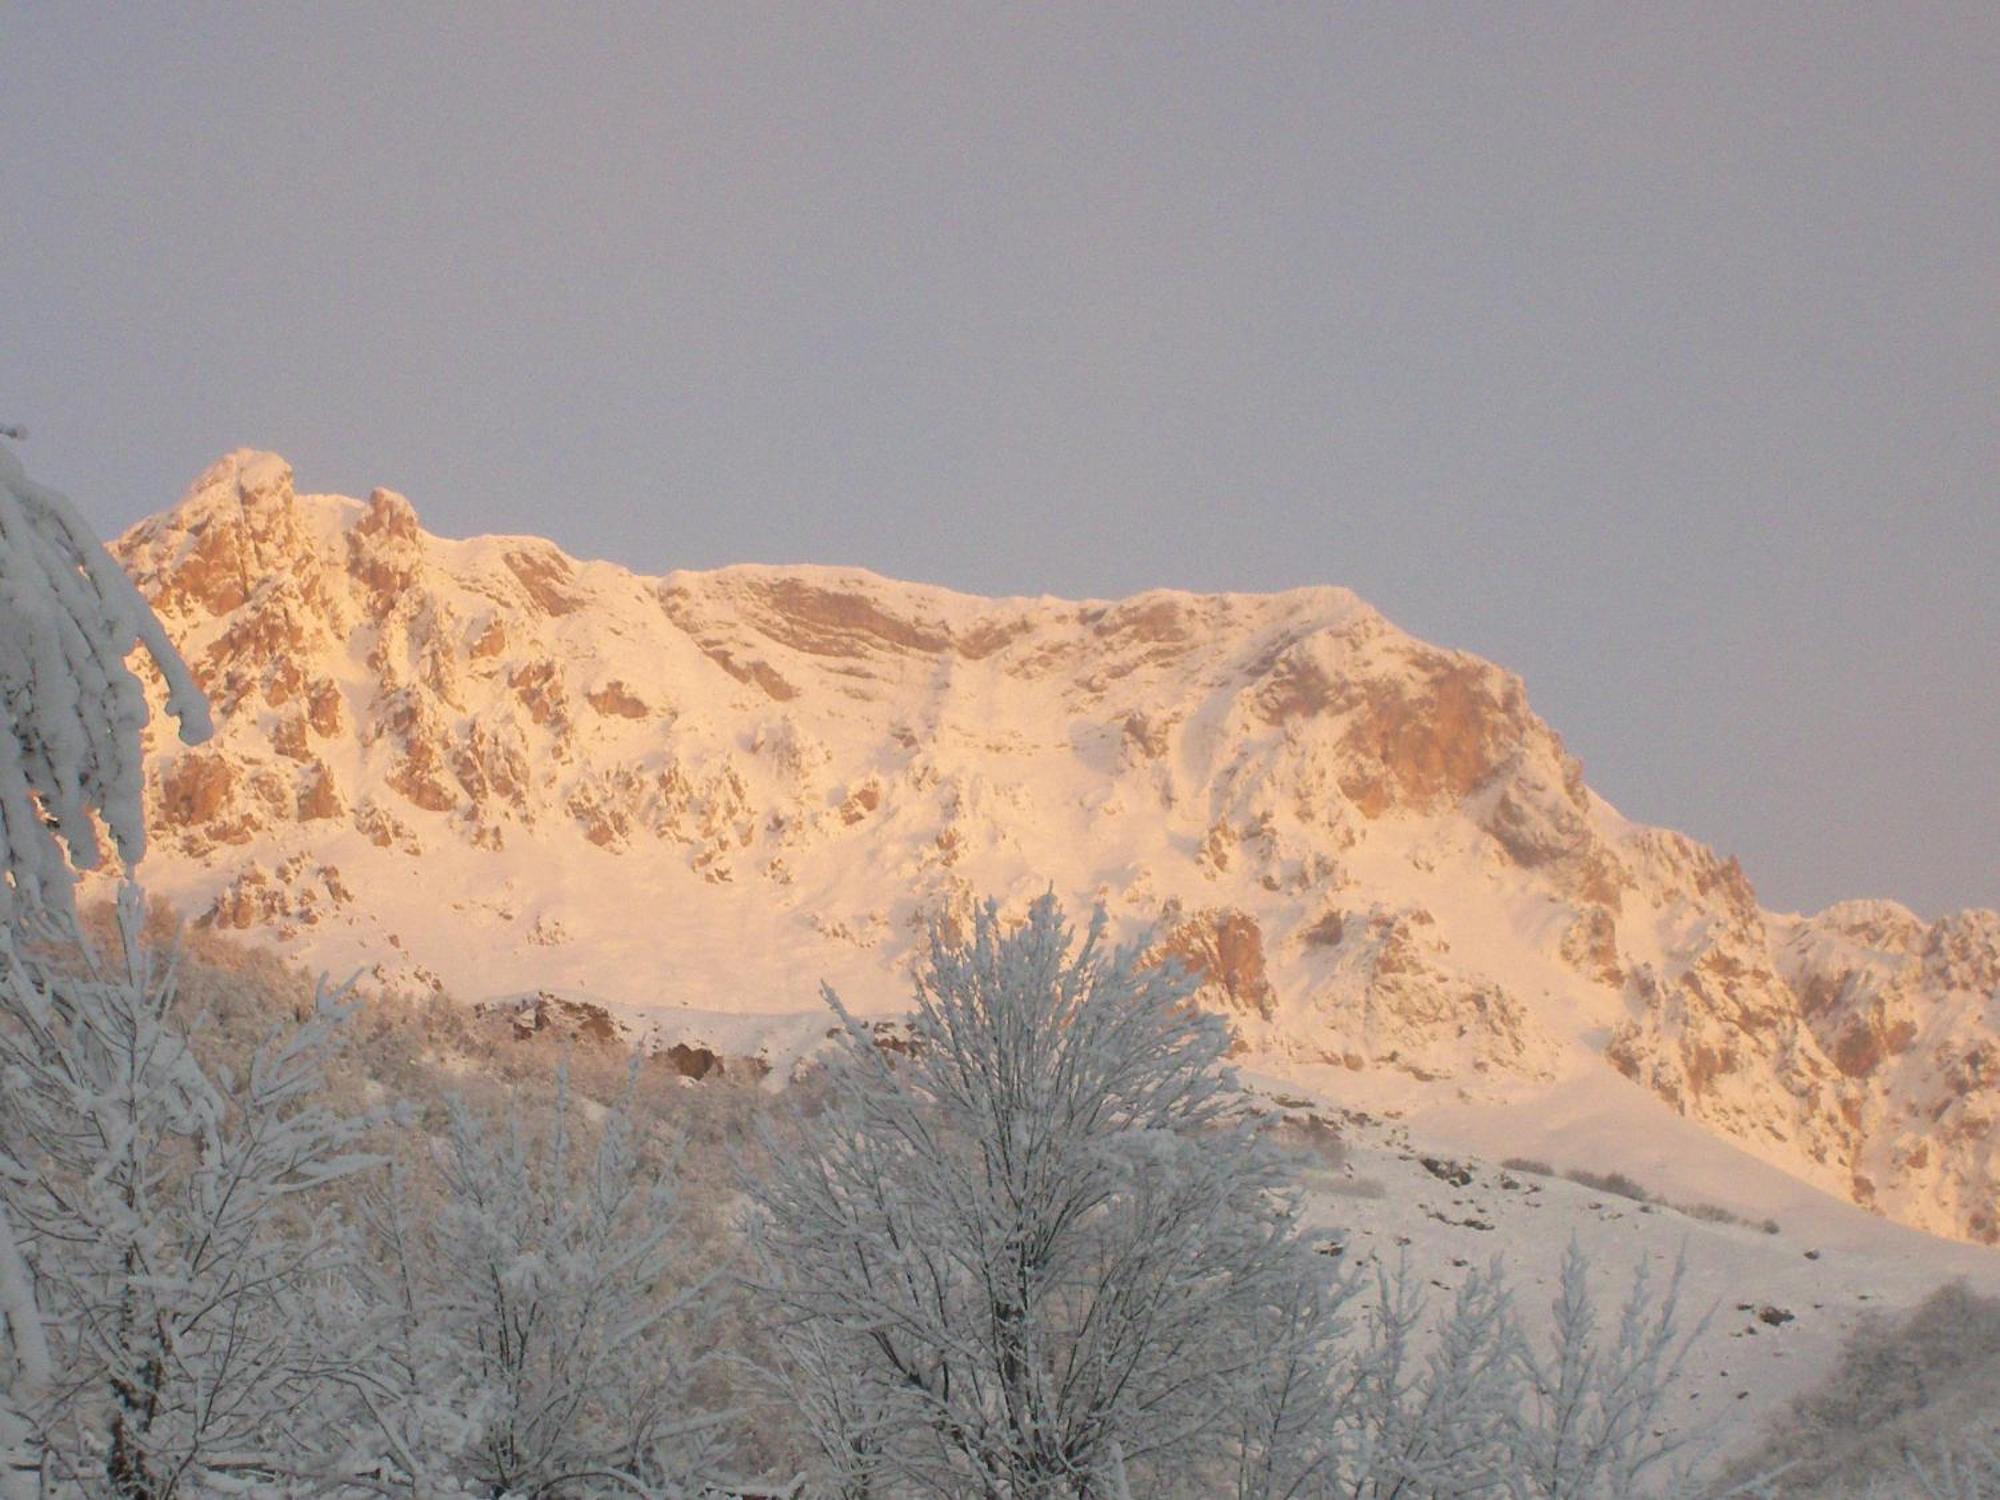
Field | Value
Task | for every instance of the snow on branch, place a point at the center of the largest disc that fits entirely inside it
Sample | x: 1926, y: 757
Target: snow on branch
x: 70, y: 709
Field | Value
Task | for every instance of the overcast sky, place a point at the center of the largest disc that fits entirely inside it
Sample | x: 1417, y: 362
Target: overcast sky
x: 1651, y: 351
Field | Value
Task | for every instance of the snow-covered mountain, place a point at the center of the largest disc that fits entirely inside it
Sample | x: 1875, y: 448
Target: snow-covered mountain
x: 485, y: 766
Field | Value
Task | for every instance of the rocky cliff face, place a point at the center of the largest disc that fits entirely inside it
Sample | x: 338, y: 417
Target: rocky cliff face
x: 487, y: 766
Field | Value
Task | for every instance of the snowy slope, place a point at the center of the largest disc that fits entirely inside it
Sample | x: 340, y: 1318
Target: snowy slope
x: 1778, y: 1306
x: 485, y: 766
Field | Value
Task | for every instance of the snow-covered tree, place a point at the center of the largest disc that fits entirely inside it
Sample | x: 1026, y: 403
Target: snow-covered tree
x: 169, y: 1223
x: 70, y: 716
x: 533, y: 1329
x: 1289, y: 1440
x: 1597, y: 1422
x: 1429, y: 1411
x: 1034, y: 1258
x: 1475, y: 1402
x: 70, y: 710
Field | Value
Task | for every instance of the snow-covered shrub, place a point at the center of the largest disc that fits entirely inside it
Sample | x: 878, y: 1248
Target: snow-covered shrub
x: 1042, y: 1255
x: 1428, y: 1411
x: 443, y: 1064
x: 168, y: 1222
x: 1596, y: 1422
x: 1715, y: 1213
x: 1912, y: 1410
x: 532, y: 1325
x: 1615, y: 1183
x: 1476, y: 1400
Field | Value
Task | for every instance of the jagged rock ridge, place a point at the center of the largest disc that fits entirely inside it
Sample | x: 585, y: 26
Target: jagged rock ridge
x: 517, y: 772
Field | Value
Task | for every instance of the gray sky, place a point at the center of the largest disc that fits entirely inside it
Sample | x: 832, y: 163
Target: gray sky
x: 1652, y: 351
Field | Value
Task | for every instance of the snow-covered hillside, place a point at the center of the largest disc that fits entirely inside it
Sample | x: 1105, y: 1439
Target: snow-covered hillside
x: 485, y: 766
x: 1781, y: 1295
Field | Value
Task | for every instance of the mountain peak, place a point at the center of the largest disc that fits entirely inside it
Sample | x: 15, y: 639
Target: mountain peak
x: 239, y: 524
x: 713, y: 789
x: 247, y: 485
x: 245, y: 472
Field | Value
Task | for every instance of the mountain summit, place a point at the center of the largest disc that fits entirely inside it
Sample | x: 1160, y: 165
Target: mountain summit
x: 486, y: 767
